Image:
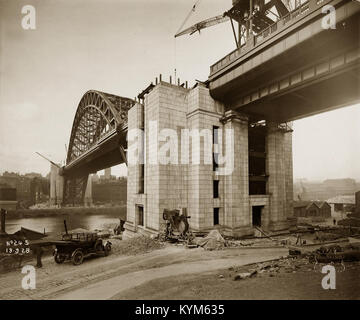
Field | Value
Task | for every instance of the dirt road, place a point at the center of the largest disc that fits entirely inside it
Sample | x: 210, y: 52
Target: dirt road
x: 106, y: 289
x: 104, y: 278
x: 303, y: 284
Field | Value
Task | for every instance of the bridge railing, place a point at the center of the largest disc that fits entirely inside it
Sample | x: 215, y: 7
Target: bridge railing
x: 292, y: 17
x: 296, y: 14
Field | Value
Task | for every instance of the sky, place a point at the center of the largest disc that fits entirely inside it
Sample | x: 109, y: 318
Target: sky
x: 120, y: 46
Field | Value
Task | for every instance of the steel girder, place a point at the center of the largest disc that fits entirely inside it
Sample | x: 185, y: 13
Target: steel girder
x: 74, y: 190
x: 98, y: 114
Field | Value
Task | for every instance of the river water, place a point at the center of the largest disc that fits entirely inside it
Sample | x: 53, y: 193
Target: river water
x: 55, y: 224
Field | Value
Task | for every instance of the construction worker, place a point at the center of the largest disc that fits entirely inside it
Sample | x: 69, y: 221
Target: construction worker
x: 38, y: 251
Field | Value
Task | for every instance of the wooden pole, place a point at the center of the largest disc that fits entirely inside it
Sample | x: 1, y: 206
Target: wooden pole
x: 66, y: 230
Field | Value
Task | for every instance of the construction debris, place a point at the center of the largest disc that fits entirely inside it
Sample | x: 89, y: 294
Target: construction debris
x: 244, y: 275
x: 213, y: 241
x: 294, y: 252
x: 336, y: 253
x: 352, y: 221
x: 177, y: 226
x: 326, y: 236
x: 136, y: 245
x: 177, y: 230
x: 271, y: 268
x: 238, y: 243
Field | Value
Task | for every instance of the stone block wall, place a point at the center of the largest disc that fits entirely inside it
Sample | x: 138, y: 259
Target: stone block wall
x: 172, y: 183
x: 203, y: 114
x: 279, y: 169
x: 134, y: 198
x: 236, y: 192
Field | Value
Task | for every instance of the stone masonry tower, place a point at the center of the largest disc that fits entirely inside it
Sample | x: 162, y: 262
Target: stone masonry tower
x: 256, y: 192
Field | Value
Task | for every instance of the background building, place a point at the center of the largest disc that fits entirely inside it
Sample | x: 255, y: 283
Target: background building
x: 341, y: 205
x: 112, y: 190
x: 357, y: 202
x: 31, y: 188
x: 312, y: 209
x: 305, y: 190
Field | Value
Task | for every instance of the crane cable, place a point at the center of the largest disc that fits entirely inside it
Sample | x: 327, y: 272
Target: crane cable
x: 182, y: 25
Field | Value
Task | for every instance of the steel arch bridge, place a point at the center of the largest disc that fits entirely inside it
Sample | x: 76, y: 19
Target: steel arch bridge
x: 97, y: 140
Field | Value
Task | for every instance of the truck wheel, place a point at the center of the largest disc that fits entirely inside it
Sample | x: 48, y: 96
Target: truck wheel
x: 107, y: 249
x: 59, y: 258
x: 77, y: 257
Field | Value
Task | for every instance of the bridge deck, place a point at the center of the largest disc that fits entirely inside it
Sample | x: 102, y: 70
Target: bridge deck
x: 286, y: 74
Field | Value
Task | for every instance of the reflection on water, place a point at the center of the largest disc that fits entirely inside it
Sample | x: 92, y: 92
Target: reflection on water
x: 56, y: 223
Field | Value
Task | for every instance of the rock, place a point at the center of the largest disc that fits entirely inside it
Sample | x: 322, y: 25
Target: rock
x: 242, y: 275
x: 221, y: 276
x: 294, y: 252
x: 262, y: 271
x: 264, y: 267
x: 245, y: 275
x: 253, y: 273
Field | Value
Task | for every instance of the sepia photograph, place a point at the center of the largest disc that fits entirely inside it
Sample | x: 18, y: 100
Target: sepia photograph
x: 174, y: 155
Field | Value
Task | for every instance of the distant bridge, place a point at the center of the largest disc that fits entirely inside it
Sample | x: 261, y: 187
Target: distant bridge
x: 97, y: 141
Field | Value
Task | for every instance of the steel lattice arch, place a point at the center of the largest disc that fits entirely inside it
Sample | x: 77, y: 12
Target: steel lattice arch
x: 98, y: 114
x: 97, y: 140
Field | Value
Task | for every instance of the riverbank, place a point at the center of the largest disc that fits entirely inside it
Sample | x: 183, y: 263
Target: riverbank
x: 119, y: 210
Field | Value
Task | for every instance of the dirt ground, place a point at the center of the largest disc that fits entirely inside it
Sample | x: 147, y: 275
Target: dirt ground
x: 143, y: 269
x: 302, y: 284
x: 104, y: 277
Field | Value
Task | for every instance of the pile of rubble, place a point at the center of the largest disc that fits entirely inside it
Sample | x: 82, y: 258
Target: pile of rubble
x: 254, y: 242
x: 271, y: 268
x: 300, y: 262
x: 213, y: 241
x: 137, y: 245
x: 336, y: 253
x: 352, y: 220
